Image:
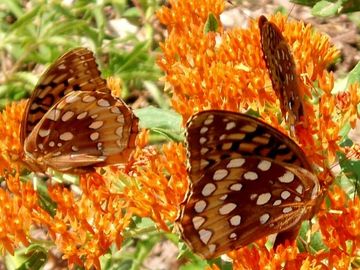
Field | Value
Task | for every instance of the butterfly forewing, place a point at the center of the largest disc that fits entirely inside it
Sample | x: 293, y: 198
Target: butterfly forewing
x: 282, y: 71
x: 76, y: 70
x: 85, y: 128
x: 214, y: 135
x: 248, y: 181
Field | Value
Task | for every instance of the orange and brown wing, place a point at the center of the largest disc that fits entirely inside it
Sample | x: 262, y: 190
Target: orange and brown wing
x: 84, y: 129
x: 282, y: 71
x: 248, y: 180
x: 76, y: 70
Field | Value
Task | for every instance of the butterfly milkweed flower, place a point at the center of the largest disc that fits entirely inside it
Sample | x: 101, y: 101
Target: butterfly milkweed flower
x: 224, y: 69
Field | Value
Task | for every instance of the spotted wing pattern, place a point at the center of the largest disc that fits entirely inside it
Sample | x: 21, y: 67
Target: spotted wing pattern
x: 248, y: 181
x: 76, y: 70
x: 73, y: 123
x: 282, y: 71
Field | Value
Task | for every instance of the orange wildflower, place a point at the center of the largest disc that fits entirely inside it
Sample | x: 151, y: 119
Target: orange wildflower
x: 10, y: 148
x: 160, y: 184
x: 83, y: 226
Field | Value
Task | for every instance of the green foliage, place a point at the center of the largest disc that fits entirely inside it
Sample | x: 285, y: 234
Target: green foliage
x: 325, y: 8
x: 35, y: 35
x: 211, y: 24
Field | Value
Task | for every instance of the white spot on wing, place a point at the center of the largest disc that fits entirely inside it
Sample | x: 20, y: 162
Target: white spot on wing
x: 212, y: 248
x: 205, y: 235
x: 285, y: 194
x: 288, y: 177
x: 235, y: 220
x: 233, y: 236
x: 236, y: 187
x: 277, y: 202
x: 264, y: 218
x: 53, y: 114
x: 264, y: 165
x: 227, y: 208
x: 200, y: 206
x: 198, y: 221
x: 66, y: 136
x: 202, y: 140
x: 71, y: 99
x: 88, y: 99
x: 299, y: 189
x: 250, y: 176
x: 287, y: 209
x: 119, y: 131
x: 115, y: 110
x: 235, y: 163
x: 96, y: 124
x: 44, y: 132
x: 203, y: 130
x: 82, y: 115
x: 103, y: 103
x: 263, y: 198
x: 220, y: 174
x: 230, y: 125
x: 66, y: 116
x: 94, y: 136
x: 208, y: 189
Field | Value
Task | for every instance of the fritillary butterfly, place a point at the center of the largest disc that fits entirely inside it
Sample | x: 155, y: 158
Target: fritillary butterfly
x: 72, y: 123
x: 248, y: 180
x: 282, y: 71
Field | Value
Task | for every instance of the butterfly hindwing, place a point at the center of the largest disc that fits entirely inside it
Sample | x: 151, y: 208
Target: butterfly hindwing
x: 242, y: 199
x: 85, y: 128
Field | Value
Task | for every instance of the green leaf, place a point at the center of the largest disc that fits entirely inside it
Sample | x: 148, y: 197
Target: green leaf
x: 211, y: 24
x: 326, y: 8
x: 36, y: 258
x: 27, y: 19
x: 354, y: 75
x: 161, y: 121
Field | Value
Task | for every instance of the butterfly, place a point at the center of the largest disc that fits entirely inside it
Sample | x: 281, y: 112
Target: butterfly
x: 248, y: 180
x: 282, y: 71
x: 72, y: 123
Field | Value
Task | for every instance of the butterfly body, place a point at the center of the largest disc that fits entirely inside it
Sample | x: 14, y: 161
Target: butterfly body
x: 282, y: 71
x: 72, y: 123
x: 248, y: 180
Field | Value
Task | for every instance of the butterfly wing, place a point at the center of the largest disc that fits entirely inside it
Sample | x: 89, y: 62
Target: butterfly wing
x: 238, y: 161
x: 215, y: 135
x: 85, y: 128
x: 242, y: 199
x: 282, y: 70
x: 75, y: 70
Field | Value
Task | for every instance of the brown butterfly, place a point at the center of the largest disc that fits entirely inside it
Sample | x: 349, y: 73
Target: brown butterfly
x: 248, y: 180
x: 72, y: 123
x: 282, y: 71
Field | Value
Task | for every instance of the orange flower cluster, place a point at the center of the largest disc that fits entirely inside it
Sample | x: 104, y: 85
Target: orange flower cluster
x: 159, y: 183
x: 225, y: 70
x: 83, y: 227
x: 10, y: 148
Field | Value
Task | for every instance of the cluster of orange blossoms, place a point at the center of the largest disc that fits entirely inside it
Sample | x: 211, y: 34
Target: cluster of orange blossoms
x: 214, y: 70
x: 224, y: 69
